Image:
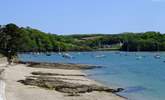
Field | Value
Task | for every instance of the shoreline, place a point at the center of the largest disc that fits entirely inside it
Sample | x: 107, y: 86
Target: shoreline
x: 3, y: 63
x: 2, y: 90
x: 19, y: 91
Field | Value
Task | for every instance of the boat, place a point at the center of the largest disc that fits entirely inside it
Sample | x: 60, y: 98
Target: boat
x: 37, y: 53
x: 48, y: 54
x: 66, y: 55
x: 100, y: 56
x: 139, y: 57
x: 59, y: 51
x: 157, y: 56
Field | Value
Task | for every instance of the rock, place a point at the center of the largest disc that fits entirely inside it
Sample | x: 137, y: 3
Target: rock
x: 55, y: 74
x: 63, y: 86
x: 59, y: 65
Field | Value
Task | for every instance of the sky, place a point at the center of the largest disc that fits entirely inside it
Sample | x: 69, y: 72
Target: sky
x: 85, y: 16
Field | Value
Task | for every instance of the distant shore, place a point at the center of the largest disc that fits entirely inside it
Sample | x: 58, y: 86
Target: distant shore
x: 26, y: 82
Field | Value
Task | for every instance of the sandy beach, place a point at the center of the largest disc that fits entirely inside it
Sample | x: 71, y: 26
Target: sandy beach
x: 16, y: 91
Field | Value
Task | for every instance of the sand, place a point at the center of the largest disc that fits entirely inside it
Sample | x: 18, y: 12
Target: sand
x: 3, y: 63
x: 17, y: 91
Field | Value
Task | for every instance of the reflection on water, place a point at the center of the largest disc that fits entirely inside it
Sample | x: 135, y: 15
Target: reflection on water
x: 141, y: 74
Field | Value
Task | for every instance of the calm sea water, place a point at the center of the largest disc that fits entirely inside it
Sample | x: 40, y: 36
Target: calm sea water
x: 142, y: 77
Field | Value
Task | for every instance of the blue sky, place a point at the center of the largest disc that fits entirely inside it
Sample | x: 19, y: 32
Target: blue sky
x: 85, y: 16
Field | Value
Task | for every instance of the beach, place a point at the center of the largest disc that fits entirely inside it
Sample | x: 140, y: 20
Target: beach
x: 15, y: 90
x: 3, y: 63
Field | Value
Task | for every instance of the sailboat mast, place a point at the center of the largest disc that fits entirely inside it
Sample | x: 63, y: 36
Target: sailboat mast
x: 157, y: 47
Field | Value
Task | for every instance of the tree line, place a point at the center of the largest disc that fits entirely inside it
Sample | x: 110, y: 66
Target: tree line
x: 15, y: 39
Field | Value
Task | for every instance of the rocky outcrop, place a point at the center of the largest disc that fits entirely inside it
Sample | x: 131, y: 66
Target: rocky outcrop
x: 60, y: 85
x: 61, y: 82
x: 55, y: 74
x: 70, y: 66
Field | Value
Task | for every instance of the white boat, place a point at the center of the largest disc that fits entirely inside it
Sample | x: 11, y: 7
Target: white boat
x: 100, y: 56
x: 37, y: 53
x: 139, y: 57
x: 59, y: 51
x: 157, y: 56
x: 66, y: 55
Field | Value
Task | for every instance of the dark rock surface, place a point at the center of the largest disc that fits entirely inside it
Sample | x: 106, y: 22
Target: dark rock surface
x: 60, y: 85
x: 70, y: 66
x: 54, y: 74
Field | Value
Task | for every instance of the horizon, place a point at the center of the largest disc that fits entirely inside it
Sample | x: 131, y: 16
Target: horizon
x: 85, y: 17
x: 84, y: 33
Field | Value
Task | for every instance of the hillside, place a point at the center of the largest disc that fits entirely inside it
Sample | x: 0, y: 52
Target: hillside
x: 34, y: 40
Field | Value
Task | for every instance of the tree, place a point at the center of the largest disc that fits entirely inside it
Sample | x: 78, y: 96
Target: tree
x: 10, y: 41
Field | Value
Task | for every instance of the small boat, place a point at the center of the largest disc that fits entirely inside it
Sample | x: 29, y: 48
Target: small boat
x: 59, y: 53
x: 48, y: 54
x: 157, y: 56
x: 139, y: 57
x: 66, y: 55
x: 100, y: 56
x: 37, y: 53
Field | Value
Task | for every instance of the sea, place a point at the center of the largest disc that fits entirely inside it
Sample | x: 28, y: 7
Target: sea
x: 141, y: 74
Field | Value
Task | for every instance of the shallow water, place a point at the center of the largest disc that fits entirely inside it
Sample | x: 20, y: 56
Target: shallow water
x: 142, y: 77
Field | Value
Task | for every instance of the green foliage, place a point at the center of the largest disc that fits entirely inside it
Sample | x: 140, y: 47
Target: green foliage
x: 148, y: 41
x: 15, y: 39
x: 10, y: 39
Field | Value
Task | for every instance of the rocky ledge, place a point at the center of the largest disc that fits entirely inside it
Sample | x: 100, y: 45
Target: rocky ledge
x: 59, y: 84
x: 60, y: 81
x: 69, y: 66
